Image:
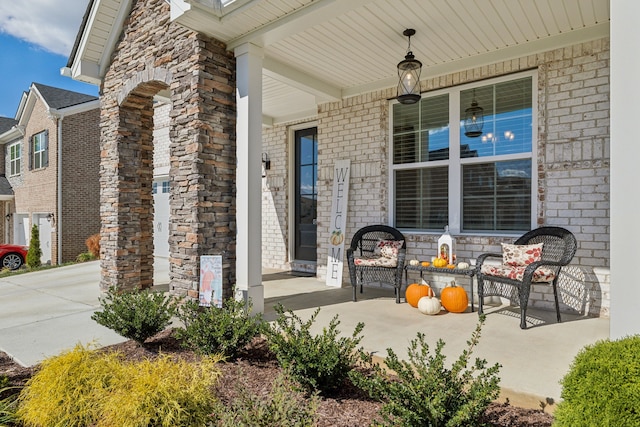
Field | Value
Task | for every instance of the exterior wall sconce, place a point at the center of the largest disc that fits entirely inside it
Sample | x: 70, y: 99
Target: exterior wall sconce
x: 266, y: 164
x: 8, y: 217
x: 473, y: 119
x: 409, y: 75
x: 51, y: 217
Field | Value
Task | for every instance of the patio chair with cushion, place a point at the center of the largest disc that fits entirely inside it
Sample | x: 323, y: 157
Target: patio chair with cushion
x: 377, y: 254
x: 536, y: 257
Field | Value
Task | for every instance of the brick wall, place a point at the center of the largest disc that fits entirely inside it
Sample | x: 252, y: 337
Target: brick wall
x: 573, y: 168
x: 275, y: 200
x: 80, y: 216
x: 161, y: 140
x: 35, y: 190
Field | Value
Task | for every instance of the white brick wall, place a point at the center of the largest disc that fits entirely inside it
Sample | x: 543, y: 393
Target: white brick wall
x: 573, y: 157
x: 161, y: 139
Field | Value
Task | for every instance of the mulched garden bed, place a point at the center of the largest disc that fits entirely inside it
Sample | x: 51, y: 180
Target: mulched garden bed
x: 257, y: 368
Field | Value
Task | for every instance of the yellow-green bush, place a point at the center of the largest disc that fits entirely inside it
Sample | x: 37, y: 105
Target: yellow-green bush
x: 84, y: 387
x: 602, y: 387
x: 163, y: 392
x: 67, y: 387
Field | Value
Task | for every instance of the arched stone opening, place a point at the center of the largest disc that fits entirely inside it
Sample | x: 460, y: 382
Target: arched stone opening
x: 154, y: 54
x: 126, y: 193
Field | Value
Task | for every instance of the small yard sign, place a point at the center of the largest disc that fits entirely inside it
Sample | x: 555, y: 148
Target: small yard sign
x: 339, y: 204
x: 211, y: 281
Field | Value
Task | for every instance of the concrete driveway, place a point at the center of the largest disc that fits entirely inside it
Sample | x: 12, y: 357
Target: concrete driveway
x: 46, y: 312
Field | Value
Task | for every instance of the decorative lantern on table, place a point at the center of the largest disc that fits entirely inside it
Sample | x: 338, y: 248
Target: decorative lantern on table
x: 447, y: 247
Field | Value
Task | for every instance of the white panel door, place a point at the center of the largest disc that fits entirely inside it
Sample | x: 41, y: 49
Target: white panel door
x: 44, y: 227
x: 161, y: 218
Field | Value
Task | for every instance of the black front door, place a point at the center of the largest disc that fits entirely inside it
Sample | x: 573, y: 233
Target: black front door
x: 306, y: 193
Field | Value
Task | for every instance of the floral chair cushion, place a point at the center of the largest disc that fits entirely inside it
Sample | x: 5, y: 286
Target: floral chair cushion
x: 376, y: 261
x: 519, y: 255
x: 388, y: 248
x: 542, y: 274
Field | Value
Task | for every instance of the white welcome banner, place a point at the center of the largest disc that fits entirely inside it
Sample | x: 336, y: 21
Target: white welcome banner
x: 339, y: 204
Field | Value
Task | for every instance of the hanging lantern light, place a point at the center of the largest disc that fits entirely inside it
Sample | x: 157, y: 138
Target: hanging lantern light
x: 409, y: 75
x: 473, y: 119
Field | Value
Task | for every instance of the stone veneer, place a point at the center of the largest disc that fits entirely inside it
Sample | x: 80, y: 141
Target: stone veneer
x: 573, y: 169
x: 152, y: 55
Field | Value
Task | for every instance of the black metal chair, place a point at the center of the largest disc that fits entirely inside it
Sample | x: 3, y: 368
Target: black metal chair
x: 559, y: 247
x: 363, y: 245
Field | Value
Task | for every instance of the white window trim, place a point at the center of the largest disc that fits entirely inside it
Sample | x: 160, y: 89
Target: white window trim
x: 455, y: 168
x: 40, y: 154
x: 11, y: 161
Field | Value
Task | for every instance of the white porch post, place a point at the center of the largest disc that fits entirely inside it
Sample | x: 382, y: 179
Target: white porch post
x: 625, y: 154
x: 249, y: 174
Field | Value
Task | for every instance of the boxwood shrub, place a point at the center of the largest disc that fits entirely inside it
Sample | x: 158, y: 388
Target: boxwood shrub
x: 602, y: 387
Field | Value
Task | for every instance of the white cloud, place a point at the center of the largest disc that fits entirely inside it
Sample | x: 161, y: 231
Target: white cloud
x: 50, y: 24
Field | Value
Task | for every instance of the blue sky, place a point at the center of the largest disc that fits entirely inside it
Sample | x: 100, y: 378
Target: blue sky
x: 36, y: 38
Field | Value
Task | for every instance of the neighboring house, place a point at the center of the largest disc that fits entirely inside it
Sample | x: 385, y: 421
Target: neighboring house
x: 51, y: 161
x: 309, y: 84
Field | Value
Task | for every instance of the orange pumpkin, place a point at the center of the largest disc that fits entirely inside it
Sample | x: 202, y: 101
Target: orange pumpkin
x: 415, y: 291
x: 454, y: 298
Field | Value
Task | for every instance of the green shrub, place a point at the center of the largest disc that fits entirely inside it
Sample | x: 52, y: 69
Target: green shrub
x: 84, y: 257
x: 35, y: 252
x: 602, y: 387
x: 424, y: 392
x: 319, y: 363
x: 8, y: 406
x: 283, y: 407
x: 85, y: 387
x: 212, y: 330
x: 136, y: 315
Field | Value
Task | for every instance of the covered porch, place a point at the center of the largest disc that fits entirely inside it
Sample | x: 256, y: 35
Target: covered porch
x: 331, y: 65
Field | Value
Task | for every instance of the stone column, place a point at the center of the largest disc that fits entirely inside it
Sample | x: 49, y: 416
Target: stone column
x: 249, y: 174
x: 126, y: 199
x: 203, y: 162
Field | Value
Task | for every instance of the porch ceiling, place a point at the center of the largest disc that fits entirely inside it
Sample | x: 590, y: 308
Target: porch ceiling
x: 323, y: 50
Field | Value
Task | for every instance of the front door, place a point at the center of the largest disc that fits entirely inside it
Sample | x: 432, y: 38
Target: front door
x: 306, y: 193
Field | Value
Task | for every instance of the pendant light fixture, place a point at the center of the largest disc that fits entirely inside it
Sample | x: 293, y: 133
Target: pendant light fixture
x: 409, y: 75
x: 473, y: 119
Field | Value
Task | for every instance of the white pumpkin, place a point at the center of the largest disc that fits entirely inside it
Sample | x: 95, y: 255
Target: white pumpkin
x: 414, y: 262
x: 462, y: 265
x: 429, y: 305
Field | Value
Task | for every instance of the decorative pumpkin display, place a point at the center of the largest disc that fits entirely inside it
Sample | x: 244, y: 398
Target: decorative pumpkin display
x: 463, y: 265
x: 451, y: 266
x: 415, y: 291
x: 425, y: 263
x: 440, y: 262
x: 454, y: 298
x: 429, y: 305
x: 414, y: 262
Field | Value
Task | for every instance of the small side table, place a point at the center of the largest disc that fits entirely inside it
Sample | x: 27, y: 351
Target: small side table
x: 469, y: 272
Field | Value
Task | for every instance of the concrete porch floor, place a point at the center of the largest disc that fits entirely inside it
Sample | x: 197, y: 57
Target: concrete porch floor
x: 533, y: 360
x: 44, y: 313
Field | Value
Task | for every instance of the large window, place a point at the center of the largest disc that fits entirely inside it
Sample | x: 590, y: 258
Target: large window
x: 15, y: 159
x: 40, y: 150
x: 473, y: 184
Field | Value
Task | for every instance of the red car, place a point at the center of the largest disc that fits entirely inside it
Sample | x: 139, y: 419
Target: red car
x: 12, y: 256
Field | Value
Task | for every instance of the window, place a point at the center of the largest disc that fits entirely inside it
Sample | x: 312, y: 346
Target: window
x: 164, y: 187
x: 441, y: 177
x: 15, y: 159
x: 40, y: 150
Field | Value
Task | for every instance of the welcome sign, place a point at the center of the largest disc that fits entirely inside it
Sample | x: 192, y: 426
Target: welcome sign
x: 339, y: 204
